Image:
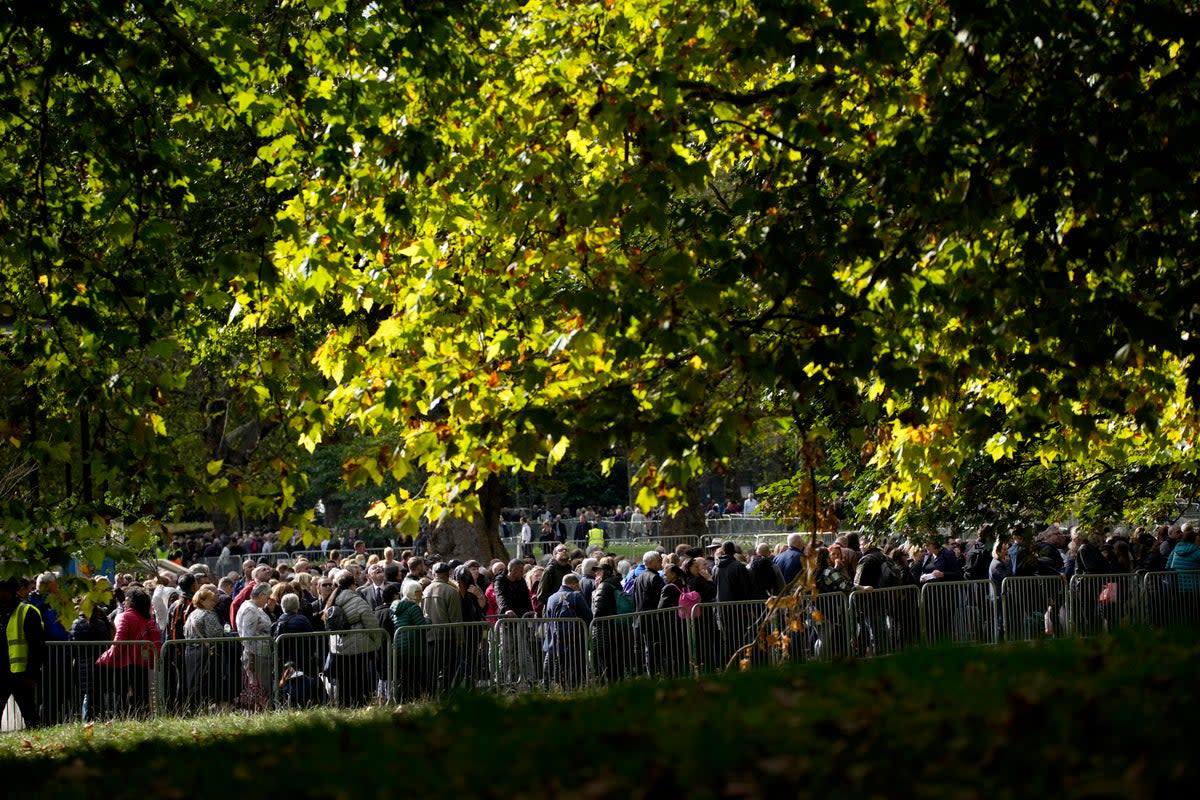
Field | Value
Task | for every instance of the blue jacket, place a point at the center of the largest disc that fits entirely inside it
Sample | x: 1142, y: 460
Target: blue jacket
x: 946, y: 561
x: 1186, y: 556
x: 790, y: 562
x: 55, y: 632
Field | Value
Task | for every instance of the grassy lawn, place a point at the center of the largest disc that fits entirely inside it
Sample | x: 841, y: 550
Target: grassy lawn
x: 1103, y: 717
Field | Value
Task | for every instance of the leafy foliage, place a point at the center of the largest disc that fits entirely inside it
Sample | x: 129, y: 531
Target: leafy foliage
x: 494, y: 234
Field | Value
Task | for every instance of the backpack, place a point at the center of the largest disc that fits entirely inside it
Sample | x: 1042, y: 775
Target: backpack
x: 979, y: 562
x: 687, y: 604
x: 625, y: 603
x: 889, y: 574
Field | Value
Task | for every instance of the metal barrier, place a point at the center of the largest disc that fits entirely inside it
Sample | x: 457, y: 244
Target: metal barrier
x: 963, y: 612
x: 662, y: 643
x: 614, y: 650
x: 88, y: 681
x: 1171, y: 598
x: 732, y: 631
x: 91, y: 681
x: 818, y: 628
x: 1098, y: 603
x: 884, y: 621
x: 1033, y: 607
x: 519, y: 654
x: 428, y: 661
x: 348, y: 668
x: 198, y: 676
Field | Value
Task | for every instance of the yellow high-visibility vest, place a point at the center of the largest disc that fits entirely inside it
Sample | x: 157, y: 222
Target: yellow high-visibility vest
x: 595, y: 537
x: 18, y: 647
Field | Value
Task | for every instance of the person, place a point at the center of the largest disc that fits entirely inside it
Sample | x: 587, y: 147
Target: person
x: 410, y: 643
x: 299, y: 649
x: 526, y: 538
x: 176, y: 615
x: 553, y: 575
x: 467, y: 579
x: 372, y: 591
x: 210, y: 667
x: 871, y: 623
x: 610, y: 644
x: 353, y: 643
x: 791, y: 561
x: 648, y: 632
x: 565, y: 646
x: 131, y: 657
x: 698, y: 579
x: 676, y: 659
x: 258, y: 574
x: 23, y: 654
x: 86, y: 634
x: 443, y: 606
x: 56, y: 672
x: 254, y: 627
x: 1185, y: 559
x: 766, y: 579
x: 734, y: 586
x: 939, y: 563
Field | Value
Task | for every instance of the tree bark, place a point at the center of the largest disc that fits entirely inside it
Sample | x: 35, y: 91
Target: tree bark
x: 690, y: 520
x: 477, y: 538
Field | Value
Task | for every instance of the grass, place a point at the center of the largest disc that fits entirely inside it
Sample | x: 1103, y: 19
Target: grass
x: 1071, y: 718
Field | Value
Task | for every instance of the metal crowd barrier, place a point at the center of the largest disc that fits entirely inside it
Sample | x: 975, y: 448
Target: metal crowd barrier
x: 963, y: 612
x: 1098, y: 603
x: 1171, y: 598
x: 201, y: 676
x: 349, y: 668
x: 819, y: 628
x: 885, y: 621
x: 1033, y: 607
x: 429, y: 661
x: 359, y: 667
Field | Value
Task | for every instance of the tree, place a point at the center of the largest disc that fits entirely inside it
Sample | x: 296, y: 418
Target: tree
x: 918, y: 234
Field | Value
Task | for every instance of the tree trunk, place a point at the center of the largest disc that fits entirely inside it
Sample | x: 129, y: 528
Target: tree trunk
x: 477, y: 538
x: 690, y: 521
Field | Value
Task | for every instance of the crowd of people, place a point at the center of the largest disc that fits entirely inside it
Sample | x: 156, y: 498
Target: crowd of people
x: 301, y: 629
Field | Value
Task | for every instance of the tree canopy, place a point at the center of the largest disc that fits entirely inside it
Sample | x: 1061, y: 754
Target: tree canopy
x: 495, y: 234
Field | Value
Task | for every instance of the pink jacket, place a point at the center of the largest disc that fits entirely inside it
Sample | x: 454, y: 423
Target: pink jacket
x: 132, y: 627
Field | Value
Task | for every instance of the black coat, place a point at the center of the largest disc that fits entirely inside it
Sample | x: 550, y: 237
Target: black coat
x: 647, y: 590
x: 733, y: 580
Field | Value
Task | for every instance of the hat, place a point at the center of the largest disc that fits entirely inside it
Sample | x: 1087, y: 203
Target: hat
x: 440, y: 567
x: 713, y: 545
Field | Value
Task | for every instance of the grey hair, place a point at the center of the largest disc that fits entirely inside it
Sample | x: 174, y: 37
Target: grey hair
x: 410, y: 590
x: 649, y: 556
x: 45, y: 579
x: 259, y: 590
x: 796, y: 540
x: 290, y: 603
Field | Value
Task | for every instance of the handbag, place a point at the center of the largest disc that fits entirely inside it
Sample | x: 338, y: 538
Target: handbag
x: 1109, y: 593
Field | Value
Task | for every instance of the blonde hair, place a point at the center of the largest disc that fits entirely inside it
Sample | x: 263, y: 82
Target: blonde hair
x: 205, y: 592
